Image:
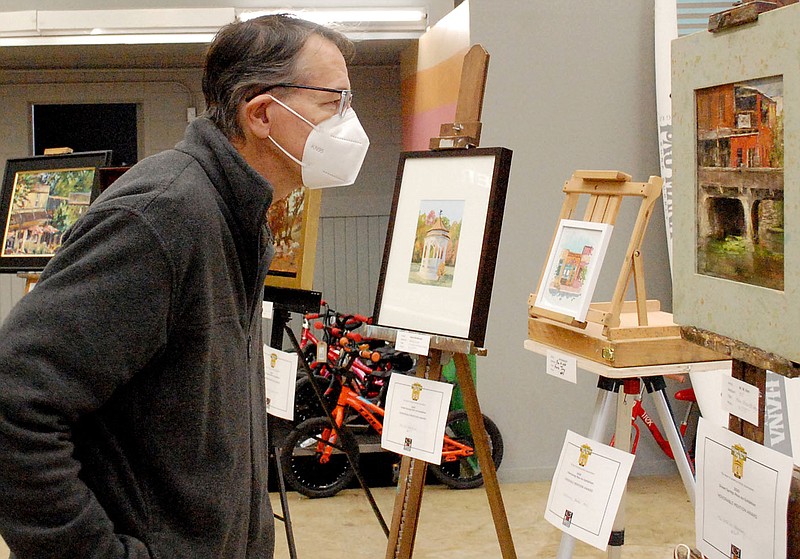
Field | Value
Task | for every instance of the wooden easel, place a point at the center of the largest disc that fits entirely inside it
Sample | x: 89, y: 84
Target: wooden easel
x: 463, y: 133
x: 606, y: 191
x: 405, y: 515
x: 618, y: 333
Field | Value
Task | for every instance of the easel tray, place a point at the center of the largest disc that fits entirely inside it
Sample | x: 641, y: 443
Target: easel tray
x: 628, y: 345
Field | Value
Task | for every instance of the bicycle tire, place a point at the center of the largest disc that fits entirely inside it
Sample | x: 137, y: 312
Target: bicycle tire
x: 302, y: 468
x: 465, y: 473
x: 306, y: 403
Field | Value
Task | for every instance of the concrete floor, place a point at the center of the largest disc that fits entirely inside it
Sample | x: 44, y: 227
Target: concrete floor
x: 458, y: 524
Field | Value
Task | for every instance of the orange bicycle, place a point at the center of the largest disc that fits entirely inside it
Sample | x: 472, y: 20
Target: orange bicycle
x: 315, y: 454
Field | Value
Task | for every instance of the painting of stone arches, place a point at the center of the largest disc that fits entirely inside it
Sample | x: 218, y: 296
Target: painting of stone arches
x: 740, y: 218
x: 433, y: 259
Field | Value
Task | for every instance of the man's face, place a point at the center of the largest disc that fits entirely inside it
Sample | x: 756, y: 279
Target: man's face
x: 321, y: 64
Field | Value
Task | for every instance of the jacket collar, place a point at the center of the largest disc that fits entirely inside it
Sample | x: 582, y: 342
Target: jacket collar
x: 247, y: 194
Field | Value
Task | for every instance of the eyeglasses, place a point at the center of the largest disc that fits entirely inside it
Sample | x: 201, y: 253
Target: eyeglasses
x: 345, y: 100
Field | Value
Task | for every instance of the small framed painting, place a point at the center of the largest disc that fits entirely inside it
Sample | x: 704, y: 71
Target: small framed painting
x: 573, y: 267
x: 294, y: 222
x: 441, y: 247
x: 42, y: 196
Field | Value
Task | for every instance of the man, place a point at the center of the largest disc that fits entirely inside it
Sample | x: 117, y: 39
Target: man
x: 132, y: 405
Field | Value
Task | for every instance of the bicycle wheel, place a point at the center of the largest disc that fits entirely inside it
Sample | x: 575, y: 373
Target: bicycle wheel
x: 464, y: 472
x: 303, y: 465
x: 306, y: 403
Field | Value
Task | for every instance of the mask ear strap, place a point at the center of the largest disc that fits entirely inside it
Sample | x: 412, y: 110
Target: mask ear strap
x: 289, y: 155
x: 291, y: 110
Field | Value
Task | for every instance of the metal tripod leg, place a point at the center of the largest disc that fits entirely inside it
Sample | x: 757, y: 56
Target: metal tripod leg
x: 675, y: 440
x: 600, y: 418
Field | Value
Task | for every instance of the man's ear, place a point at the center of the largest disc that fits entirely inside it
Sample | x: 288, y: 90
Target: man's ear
x: 256, y: 116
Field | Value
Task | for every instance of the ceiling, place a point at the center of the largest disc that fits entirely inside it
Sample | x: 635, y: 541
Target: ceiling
x: 381, y: 52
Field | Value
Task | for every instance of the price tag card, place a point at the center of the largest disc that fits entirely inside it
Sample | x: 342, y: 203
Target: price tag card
x: 266, y: 310
x: 740, y: 399
x: 412, y: 342
x: 562, y: 366
x: 416, y: 415
x: 280, y: 375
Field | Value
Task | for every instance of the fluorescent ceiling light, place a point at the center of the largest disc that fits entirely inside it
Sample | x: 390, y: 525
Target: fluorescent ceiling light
x: 188, y: 25
x: 348, y: 15
x: 107, y: 22
x: 116, y: 39
x: 17, y: 23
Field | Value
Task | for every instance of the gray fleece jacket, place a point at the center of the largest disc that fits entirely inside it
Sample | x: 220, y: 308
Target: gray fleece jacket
x: 132, y: 406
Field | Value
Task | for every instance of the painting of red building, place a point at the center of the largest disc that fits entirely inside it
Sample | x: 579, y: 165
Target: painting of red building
x: 740, y: 227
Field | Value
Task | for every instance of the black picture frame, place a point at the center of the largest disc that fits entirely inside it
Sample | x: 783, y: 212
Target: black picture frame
x: 470, y: 185
x: 59, y: 190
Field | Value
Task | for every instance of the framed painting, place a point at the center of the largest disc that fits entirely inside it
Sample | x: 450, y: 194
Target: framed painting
x: 294, y: 222
x: 41, y: 197
x: 441, y: 245
x: 736, y: 182
x: 573, y: 267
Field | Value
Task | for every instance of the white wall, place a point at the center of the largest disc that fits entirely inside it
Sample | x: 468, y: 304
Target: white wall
x: 571, y: 86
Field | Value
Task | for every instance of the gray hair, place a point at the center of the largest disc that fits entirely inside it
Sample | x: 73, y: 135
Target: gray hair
x: 249, y: 56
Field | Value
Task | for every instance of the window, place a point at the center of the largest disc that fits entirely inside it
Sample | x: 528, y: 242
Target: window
x: 88, y: 127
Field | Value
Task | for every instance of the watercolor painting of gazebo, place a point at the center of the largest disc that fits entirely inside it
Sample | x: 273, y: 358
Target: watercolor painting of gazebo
x: 433, y: 258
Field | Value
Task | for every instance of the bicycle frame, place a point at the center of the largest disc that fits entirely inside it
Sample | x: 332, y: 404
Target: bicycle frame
x: 373, y: 414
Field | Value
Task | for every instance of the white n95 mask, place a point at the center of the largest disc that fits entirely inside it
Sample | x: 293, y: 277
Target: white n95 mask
x: 334, y: 150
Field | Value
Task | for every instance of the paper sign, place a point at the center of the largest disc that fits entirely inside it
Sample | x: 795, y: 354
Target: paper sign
x: 266, y: 310
x: 562, y: 366
x: 416, y: 414
x: 280, y: 376
x: 740, y: 399
x: 587, y: 489
x: 412, y: 342
x: 742, y: 496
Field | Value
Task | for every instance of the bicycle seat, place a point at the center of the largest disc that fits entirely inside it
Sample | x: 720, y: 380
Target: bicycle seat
x: 687, y: 395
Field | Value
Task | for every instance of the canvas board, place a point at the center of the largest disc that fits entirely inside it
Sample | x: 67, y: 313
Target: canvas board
x: 736, y: 181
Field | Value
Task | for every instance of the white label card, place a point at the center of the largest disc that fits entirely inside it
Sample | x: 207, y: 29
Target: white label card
x: 416, y: 415
x: 562, y: 366
x: 587, y: 489
x: 280, y: 376
x: 412, y: 342
x: 322, y: 352
x: 742, y: 496
x: 266, y: 310
x: 740, y: 399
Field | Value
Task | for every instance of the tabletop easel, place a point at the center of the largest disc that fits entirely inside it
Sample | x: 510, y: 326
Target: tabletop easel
x: 624, y: 342
x: 618, y: 333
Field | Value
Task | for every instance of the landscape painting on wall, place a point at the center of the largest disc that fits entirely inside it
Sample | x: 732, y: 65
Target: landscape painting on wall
x: 433, y: 259
x: 740, y: 218
x: 44, y: 204
x: 41, y: 198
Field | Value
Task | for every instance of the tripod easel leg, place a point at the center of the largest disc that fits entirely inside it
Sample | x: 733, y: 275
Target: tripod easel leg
x: 676, y: 443
x: 600, y: 418
x: 411, y: 484
x: 484, y: 457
